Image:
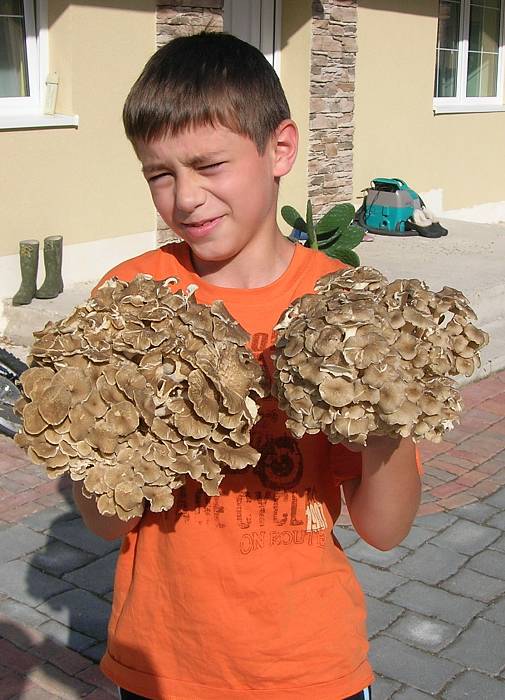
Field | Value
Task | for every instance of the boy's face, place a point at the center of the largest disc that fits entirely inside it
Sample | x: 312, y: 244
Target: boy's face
x: 213, y: 188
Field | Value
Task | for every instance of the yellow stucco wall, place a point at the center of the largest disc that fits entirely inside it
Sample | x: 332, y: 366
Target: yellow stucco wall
x: 295, y: 77
x: 396, y: 131
x: 82, y: 183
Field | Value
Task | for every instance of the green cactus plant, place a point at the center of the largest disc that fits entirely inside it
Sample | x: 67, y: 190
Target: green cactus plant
x: 334, y: 234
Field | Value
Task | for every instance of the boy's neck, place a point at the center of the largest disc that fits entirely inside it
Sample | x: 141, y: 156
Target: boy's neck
x: 257, y: 265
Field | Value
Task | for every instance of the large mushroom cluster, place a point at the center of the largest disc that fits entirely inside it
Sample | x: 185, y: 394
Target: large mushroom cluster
x: 138, y: 388
x: 363, y: 356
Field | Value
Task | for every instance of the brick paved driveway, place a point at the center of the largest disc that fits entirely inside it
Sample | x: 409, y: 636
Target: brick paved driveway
x: 436, y: 603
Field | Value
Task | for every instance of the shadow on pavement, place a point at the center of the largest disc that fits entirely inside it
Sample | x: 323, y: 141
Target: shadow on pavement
x: 70, y: 579
x: 24, y: 664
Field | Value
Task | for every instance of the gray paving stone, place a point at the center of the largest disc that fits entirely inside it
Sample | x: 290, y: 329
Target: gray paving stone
x: 74, y: 533
x: 18, y: 540
x: 441, y: 474
x: 497, y: 499
x: 413, y: 667
x: 346, y: 536
x: 376, y: 582
x: 498, y: 520
x: 499, y: 544
x: 19, y: 612
x: 491, y: 563
x: 28, y: 585
x: 423, y: 632
x: 430, y: 564
x: 81, y: 611
x: 480, y: 647
x: 466, y: 537
x: 433, y: 601
x: 496, y: 613
x: 383, y: 688
x: 361, y: 551
x: 478, y: 512
x: 436, y: 521
x: 472, y: 684
x: 474, y: 585
x: 97, y: 577
x: 95, y: 652
x: 45, y: 519
x: 416, y: 537
x: 380, y: 615
x: 65, y: 636
x: 411, y: 694
x: 57, y: 558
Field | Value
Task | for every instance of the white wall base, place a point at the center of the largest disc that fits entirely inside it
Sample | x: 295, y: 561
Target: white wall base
x: 488, y: 213
x: 82, y: 262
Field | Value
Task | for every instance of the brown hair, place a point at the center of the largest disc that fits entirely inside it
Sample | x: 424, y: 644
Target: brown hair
x: 208, y: 78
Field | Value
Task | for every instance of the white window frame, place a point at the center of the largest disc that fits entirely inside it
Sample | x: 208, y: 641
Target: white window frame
x: 259, y: 23
x: 27, y: 112
x: 462, y: 103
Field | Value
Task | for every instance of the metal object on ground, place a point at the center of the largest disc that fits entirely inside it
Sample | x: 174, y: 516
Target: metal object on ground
x: 10, y: 370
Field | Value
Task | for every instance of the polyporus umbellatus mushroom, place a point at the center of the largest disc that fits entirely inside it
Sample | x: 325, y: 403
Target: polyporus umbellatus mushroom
x: 362, y: 356
x: 137, y: 389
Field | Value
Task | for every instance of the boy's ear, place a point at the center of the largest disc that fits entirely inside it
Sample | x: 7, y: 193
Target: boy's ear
x: 285, y: 147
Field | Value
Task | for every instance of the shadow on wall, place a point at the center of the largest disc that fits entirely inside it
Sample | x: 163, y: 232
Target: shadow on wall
x: 58, y: 9
x: 426, y: 8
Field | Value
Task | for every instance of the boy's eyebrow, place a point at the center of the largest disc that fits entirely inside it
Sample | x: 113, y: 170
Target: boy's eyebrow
x: 193, y: 161
x: 201, y: 159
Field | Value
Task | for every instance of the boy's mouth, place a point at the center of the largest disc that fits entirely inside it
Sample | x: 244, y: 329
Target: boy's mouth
x: 201, y: 228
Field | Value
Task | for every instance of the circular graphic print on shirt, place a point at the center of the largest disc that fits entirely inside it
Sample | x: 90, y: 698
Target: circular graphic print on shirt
x: 281, y: 465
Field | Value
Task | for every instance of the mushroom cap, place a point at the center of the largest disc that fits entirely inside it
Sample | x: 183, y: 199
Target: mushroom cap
x: 390, y: 348
x: 336, y: 391
x: 142, y: 375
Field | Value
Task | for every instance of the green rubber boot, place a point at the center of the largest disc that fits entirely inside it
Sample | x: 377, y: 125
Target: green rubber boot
x: 29, y: 262
x: 53, y: 254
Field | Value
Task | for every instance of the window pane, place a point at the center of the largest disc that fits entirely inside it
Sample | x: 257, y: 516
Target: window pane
x: 11, y: 7
x: 482, y: 75
x: 483, y: 41
x: 447, y: 73
x: 13, y: 59
x: 448, y: 24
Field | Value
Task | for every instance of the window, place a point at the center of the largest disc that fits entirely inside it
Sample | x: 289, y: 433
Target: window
x: 258, y: 22
x: 19, y: 58
x: 469, y: 66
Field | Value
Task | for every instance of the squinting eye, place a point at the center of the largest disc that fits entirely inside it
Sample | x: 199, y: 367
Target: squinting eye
x: 155, y: 178
x: 211, y: 166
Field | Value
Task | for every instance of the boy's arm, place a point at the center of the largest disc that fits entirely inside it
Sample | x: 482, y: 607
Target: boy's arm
x: 384, y: 502
x: 106, y: 526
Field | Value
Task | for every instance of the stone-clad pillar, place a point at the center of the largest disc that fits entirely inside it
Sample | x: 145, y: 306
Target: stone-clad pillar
x: 182, y: 18
x: 333, y: 63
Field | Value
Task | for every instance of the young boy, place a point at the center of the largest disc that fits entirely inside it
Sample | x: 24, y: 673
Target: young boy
x: 246, y: 594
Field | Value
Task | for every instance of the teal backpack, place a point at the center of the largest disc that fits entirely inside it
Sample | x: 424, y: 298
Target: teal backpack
x: 391, y: 208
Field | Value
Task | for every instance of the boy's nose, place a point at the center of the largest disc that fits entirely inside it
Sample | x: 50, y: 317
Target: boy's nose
x: 188, y: 193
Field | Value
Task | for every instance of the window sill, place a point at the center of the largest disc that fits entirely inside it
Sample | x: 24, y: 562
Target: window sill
x: 466, y: 109
x: 37, y: 121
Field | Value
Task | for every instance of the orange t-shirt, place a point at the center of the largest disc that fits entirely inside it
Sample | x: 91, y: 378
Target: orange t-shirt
x: 246, y: 594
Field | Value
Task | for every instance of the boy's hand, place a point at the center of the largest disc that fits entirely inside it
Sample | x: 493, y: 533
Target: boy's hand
x: 105, y: 526
x: 384, y: 502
